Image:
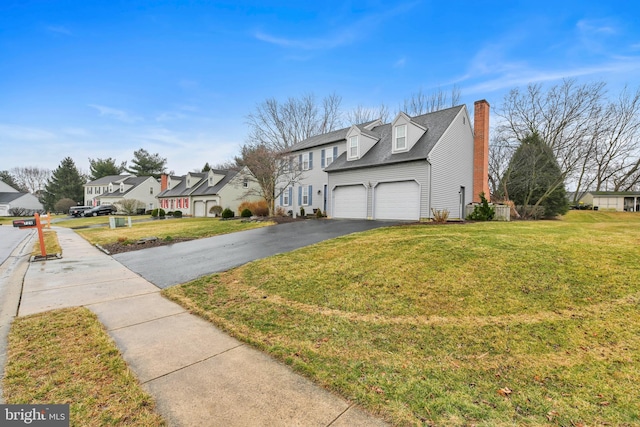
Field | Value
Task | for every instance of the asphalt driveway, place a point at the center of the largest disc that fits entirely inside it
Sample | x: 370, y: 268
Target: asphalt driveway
x: 171, y: 265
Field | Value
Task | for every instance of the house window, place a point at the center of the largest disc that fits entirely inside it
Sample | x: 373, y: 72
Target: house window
x: 353, y: 146
x: 110, y: 188
x: 305, y: 162
x: 89, y: 190
x: 210, y: 181
x: 150, y: 190
x: 305, y: 195
x: 245, y: 183
x: 329, y: 157
x: 122, y: 188
x: 401, y: 138
x: 285, y: 197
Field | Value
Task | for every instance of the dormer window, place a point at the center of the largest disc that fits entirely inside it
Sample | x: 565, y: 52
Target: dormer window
x: 353, y: 146
x: 400, y: 140
x: 122, y: 188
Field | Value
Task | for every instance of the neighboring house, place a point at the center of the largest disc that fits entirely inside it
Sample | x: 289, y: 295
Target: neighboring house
x: 628, y: 201
x: 11, y: 198
x: 113, y: 188
x: 195, y: 194
x: 400, y: 170
x: 104, y: 185
x: 141, y: 188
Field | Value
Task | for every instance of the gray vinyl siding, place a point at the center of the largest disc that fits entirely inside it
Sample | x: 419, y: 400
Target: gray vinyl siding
x: 370, y: 177
x: 315, y: 177
x: 452, y: 163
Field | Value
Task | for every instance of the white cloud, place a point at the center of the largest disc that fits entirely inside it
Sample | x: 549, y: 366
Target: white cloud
x: 165, y: 117
x: 598, y: 26
x: 115, y: 113
x: 400, y: 63
x: 58, y: 29
x: 346, y: 34
x: 22, y: 133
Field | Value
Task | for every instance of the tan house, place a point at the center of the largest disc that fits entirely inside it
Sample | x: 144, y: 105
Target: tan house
x: 622, y: 201
x: 112, y: 189
x: 194, y: 194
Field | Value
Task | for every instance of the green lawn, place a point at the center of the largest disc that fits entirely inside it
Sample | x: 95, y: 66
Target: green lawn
x: 521, y: 323
x: 190, y: 228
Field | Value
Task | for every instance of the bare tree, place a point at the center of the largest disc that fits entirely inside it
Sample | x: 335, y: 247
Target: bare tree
x: 421, y: 103
x: 280, y: 125
x: 594, y: 141
x: 32, y: 178
x: 273, y: 171
x: 361, y: 114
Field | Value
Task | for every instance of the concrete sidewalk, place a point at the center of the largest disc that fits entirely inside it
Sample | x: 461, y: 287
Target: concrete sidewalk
x: 198, y: 375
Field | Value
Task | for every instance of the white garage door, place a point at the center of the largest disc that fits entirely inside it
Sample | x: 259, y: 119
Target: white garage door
x: 198, y: 209
x: 397, y: 200
x: 350, y: 202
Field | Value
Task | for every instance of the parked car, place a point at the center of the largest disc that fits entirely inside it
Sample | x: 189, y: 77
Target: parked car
x: 78, y: 210
x: 101, y: 210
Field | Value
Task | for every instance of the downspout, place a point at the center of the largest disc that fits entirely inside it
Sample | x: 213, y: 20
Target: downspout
x: 429, y: 189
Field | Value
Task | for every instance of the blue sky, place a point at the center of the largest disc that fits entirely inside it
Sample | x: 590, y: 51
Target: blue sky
x: 85, y: 78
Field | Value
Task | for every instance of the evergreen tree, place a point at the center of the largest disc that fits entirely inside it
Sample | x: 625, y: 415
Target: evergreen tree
x: 105, y: 167
x: 534, y: 179
x: 66, y: 182
x: 145, y: 164
x: 206, y: 167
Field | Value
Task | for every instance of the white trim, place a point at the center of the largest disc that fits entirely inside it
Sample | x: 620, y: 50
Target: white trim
x: 397, y: 149
x: 357, y: 146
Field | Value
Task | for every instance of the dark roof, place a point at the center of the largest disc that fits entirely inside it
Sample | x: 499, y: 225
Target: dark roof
x: 134, y: 181
x: 328, y: 138
x: 108, y: 179
x: 614, y: 193
x: 10, y: 197
x: 436, y: 124
x: 201, y: 188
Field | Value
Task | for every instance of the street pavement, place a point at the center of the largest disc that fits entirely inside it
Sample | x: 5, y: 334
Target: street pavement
x: 198, y: 375
x: 179, y: 263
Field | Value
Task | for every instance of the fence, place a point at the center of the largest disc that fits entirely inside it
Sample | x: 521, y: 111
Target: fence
x: 502, y: 212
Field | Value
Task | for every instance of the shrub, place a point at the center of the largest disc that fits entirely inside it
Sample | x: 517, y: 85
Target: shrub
x: 319, y: 213
x: 170, y: 213
x: 129, y: 206
x: 482, y: 211
x: 215, y: 210
x: 177, y: 214
x: 259, y: 208
x: 246, y: 213
x: 302, y: 213
x: 228, y: 213
x: 63, y: 205
x: 158, y: 213
x: 440, y: 215
x: 280, y: 211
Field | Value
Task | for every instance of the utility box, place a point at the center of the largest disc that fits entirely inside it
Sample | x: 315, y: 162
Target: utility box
x: 115, y: 222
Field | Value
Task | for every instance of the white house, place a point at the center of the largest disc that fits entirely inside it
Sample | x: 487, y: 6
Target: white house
x: 399, y: 170
x: 10, y: 198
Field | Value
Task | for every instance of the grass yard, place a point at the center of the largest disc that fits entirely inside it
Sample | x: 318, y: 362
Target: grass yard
x: 485, y: 324
x: 51, y: 244
x: 65, y: 356
x: 167, y: 229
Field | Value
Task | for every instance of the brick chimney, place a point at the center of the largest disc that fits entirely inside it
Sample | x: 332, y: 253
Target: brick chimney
x: 164, y: 178
x: 481, y: 150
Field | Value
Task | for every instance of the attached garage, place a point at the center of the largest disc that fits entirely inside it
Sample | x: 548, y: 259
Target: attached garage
x: 397, y: 200
x: 350, y: 201
x: 199, y: 209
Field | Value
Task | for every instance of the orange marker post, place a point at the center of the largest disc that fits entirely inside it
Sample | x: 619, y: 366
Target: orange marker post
x: 43, y: 250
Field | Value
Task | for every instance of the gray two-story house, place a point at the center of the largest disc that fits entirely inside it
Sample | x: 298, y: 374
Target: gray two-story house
x: 401, y: 170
